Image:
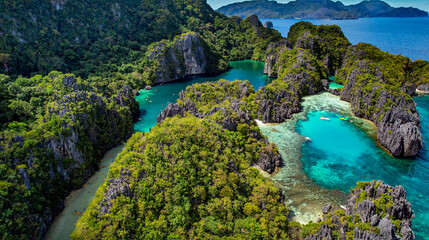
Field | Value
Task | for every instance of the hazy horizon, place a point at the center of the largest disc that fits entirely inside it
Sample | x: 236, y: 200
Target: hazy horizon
x: 421, y: 4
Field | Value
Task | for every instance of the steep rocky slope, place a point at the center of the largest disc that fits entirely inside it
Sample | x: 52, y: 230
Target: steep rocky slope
x: 185, y: 56
x: 39, y: 168
x: 379, y: 86
x: 374, y: 211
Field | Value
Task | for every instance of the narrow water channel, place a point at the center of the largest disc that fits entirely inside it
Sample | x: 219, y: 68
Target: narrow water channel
x: 151, y: 102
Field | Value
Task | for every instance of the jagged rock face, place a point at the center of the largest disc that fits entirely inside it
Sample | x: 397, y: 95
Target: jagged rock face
x: 378, y: 205
x: 273, y: 52
x: 398, y: 125
x: 126, y: 98
x: 424, y: 88
x: 193, y: 53
x: 280, y: 108
x: 186, y: 56
x: 117, y: 187
x: 295, y: 80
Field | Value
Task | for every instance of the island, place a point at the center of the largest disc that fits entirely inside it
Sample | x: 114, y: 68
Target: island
x: 311, y: 9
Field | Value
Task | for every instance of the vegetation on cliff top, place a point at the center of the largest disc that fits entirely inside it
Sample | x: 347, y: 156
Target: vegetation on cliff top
x: 186, y: 178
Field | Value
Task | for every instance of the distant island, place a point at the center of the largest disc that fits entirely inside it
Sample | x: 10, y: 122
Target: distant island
x: 318, y: 9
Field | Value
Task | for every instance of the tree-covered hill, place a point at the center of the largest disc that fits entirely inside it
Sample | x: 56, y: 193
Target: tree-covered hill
x: 95, y: 37
x: 89, y: 36
x: 190, y: 177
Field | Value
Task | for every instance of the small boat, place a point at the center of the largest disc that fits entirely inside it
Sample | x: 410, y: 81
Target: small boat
x: 323, y: 118
x: 308, y: 139
x: 345, y: 119
x: 343, y: 207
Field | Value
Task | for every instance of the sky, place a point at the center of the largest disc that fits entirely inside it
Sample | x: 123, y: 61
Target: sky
x: 422, y: 4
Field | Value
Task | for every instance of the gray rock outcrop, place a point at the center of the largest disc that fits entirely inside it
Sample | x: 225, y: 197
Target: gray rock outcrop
x: 185, y: 56
x: 424, y: 88
x: 394, y: 113
x: 373, y: 204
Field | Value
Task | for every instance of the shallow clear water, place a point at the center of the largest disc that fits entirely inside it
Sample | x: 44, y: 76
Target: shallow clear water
x: 341, y: 154
x: 334, y: 85
x: 79, y: 200
x: 406, y: 36
x: 152, y: 102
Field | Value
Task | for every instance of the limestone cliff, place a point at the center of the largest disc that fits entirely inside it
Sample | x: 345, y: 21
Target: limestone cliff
x: 373, y: 211
x: 75, y: 133
x: 377, y: 84
x: 185, y: 56
x: 378, y: 94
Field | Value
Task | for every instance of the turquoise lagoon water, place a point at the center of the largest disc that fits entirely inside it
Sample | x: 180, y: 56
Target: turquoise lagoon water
x: 342, y: 153
x: 406, y: 36
x: 152, y: 102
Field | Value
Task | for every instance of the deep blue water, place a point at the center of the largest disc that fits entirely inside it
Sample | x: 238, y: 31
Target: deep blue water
x: 406, y: 36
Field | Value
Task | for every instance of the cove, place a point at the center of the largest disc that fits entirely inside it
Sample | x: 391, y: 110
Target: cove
x: 342, y: 153
x: 151, y: 103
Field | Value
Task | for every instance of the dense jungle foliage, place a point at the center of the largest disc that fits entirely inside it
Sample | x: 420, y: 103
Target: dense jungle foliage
x: 104, y: 37
x: 186, y: 178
